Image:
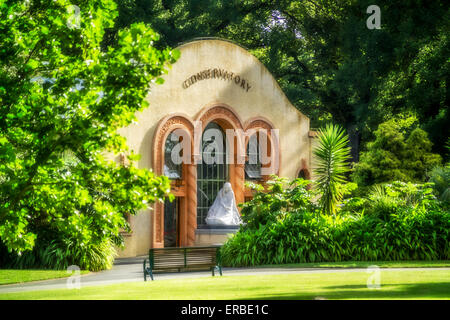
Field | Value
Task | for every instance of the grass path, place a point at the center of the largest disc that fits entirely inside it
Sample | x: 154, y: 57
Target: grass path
x: 395, y: 284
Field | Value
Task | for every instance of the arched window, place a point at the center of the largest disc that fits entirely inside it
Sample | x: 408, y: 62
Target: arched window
x: 172, y: 161
x: 253, y: 161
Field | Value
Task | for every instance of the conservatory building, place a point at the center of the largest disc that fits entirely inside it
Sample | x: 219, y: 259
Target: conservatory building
x: 219, y: 117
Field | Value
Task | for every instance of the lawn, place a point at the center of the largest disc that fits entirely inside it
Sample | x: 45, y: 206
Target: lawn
x: 345, y: 284
x: 9, y: 276
x: 365, y: 264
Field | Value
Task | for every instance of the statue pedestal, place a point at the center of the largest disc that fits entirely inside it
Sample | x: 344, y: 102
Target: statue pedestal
x: 213, y: 235
x: 217, y: 227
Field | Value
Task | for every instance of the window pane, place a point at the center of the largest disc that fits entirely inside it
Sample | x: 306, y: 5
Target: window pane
x: 170, y: 223
x: 172, y: 169
x: 253, y: 163
x: 212, y: 173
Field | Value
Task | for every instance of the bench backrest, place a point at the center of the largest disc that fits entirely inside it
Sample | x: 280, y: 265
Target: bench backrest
x: 165, y: 258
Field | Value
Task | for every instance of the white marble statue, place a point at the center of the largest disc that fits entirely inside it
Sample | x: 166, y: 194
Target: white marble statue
x: 224, y: 210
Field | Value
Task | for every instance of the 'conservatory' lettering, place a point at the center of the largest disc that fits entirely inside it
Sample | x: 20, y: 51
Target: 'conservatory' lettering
x: 216, y: 73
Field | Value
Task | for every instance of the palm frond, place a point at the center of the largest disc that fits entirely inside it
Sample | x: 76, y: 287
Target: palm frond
x: 331, y: 158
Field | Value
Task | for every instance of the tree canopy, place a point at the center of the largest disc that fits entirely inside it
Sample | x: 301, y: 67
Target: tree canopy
x: 62, y: 100
x: 323, y: 55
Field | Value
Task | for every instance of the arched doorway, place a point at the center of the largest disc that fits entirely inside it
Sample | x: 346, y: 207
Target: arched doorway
x: 173, y: 170
x: 173, y: 223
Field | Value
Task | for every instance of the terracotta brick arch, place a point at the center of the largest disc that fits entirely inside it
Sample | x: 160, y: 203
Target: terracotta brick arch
x: 162, y: 131
x: 259, y: 122
x: 227, y: 119
x: 306, y: 172
x: 219, y: 111
x: 184, y: 188
x: 305, y: 169
x: 264, y: 126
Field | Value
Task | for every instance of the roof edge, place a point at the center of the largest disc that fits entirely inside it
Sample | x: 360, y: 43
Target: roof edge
x: 180, y: 44
x: 186, y: 43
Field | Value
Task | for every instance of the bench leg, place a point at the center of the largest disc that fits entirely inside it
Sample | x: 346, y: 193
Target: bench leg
x: 151, y: 274
x: 148, y: 272
x: 218, y: 268
x: 145, y: 270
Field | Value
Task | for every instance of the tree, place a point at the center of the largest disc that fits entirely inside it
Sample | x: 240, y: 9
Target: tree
x: 401, y: 151
x: 422, y: 87
x: 331, y: 156
x: 324, y: 57
x: 62, y: 100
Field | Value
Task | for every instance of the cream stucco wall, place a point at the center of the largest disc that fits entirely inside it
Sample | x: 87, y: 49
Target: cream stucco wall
x: 264, y: 98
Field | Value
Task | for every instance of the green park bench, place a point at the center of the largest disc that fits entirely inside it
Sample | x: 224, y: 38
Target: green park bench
x: 182, y: 258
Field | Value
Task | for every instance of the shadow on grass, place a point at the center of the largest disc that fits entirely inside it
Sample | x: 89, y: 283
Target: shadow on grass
x: 431, y: 290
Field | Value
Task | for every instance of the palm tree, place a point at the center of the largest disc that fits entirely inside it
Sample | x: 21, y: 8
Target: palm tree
x: 331, y: 157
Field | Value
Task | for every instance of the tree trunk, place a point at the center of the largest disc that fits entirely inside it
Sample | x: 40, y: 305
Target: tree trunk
x: 354, y: 140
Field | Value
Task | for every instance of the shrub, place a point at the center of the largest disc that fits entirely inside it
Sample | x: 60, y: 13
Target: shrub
x: 400, y: 151
x: 392, y: 198
x: 300, y: 237
x: 280, y: 196
x: 60, y: 254
x: 397, y: 221
x: 440, y: 177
